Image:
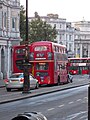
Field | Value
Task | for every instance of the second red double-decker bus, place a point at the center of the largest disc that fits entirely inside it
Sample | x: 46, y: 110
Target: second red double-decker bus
x: 18, y: 54
x: 49, y: 62
x: 78, y: 65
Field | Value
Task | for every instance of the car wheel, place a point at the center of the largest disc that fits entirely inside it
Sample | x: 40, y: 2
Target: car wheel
x: 37, y: 85
x: 8, y: 89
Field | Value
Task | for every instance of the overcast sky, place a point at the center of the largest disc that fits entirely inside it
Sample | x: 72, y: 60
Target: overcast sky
x: 72, y: 10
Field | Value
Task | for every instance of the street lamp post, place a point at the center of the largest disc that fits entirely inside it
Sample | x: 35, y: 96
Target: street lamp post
x: 26, y: 85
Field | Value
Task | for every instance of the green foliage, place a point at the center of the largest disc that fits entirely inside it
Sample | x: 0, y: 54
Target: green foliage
x: 41, y: 31
x: 38, y: 30
x: 22, y: 24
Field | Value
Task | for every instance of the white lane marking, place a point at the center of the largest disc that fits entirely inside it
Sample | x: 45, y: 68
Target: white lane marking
x: 71, y: 102
x: 86, y: 98
x: 75, y: 115
x: 51, y: 109
x: 61, y: 105
x: 78, y: 100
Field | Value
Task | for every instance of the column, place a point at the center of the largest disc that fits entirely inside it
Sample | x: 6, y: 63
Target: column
x: 77, y: 52
x: 81, y: 50
x: 88, y: 50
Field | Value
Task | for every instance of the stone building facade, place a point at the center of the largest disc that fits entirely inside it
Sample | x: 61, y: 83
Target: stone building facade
x: 9, y: 34
x: 76, y: 35
x: 82, y: 39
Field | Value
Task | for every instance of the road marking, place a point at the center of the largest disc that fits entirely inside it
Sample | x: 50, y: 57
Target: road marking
x: 61, y: 105
x: 78, y: 100
x: 71, y: 102
x: 86, y: 98
x: 51, y: 109
x: 76, y: 115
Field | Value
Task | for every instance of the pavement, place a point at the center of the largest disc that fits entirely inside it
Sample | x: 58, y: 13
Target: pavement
x: 19, y: 95
x: 2, y: 83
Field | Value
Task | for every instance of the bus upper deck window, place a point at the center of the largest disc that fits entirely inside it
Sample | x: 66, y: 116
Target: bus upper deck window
x: 49, y: 55
x: 20, y: 51
x: 41, y: 48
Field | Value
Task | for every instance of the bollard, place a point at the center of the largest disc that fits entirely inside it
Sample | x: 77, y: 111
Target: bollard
x: 30, y: 116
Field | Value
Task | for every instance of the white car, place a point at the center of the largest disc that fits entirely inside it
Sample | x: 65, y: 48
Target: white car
x: 16, y: 80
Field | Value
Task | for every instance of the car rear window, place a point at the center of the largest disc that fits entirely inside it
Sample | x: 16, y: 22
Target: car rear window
x: 16, y: 76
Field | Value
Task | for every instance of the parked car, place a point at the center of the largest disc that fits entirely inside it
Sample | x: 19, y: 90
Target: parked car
x: 70, y: 78
x: 16, y: 80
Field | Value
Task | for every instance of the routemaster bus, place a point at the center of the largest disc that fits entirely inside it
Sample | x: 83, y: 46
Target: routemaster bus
x: 78, y: 65
x: 49, y: 62
x: 18, y: 54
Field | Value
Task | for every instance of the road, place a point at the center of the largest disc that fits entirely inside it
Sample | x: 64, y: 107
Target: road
x: 68, y: 104
x: 17, y: 95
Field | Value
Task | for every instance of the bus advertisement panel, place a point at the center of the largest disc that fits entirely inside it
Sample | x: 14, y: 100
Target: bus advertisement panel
x: 49, y: 62
x: 78, y: 65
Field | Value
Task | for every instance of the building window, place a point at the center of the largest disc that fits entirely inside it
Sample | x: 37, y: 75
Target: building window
x: 60, y: 26
x: 66, y: 37
x: 5, y: 19
x: 55, y: 25
x: 70, y: 37
x: 60, y: 36
x: 13, y: 23
x: 70, y: 47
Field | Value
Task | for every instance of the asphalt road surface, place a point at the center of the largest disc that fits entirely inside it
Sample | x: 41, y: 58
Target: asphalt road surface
x: 71, y: 104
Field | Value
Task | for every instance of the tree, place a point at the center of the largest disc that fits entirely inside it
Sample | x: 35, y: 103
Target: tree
x: 22, y: 24
x: 38, y: 30
x: 41, y: 31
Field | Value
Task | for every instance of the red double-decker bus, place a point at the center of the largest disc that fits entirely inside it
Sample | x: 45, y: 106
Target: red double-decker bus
x: 78, y: 65
x: 49, y: 62
x: 18, y: 54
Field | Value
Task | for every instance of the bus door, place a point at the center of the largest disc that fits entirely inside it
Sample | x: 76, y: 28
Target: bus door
x: 82, y: 70
x: 74, y: 70
x: 85, y: 70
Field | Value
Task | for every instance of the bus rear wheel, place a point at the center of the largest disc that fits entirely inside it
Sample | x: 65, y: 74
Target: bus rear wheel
x: 58, y: 81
